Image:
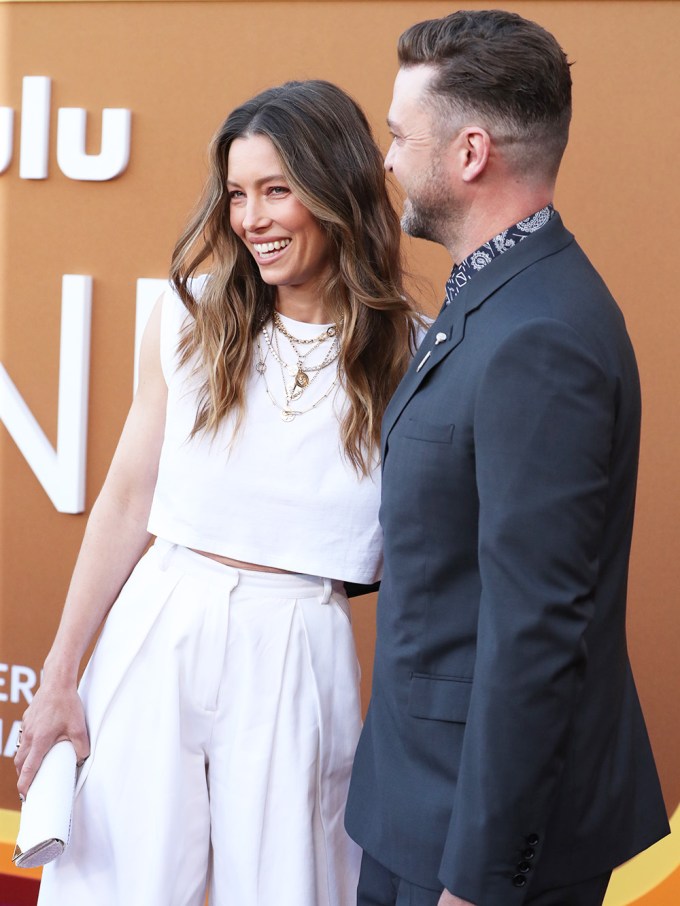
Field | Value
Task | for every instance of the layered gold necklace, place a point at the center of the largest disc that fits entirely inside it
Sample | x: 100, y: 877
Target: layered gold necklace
x: 299, y: 376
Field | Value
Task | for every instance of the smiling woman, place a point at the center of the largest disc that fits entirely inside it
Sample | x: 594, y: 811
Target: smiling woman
x: 287, y: 241
x: 251, y: 453
x: 341, y: 265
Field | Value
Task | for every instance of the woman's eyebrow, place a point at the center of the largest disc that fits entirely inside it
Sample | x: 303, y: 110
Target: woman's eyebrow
x: 259, y: 182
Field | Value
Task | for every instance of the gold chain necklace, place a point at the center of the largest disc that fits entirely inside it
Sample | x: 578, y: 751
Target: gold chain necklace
x: 302, y: 380
x: 330, y: 331
x: 300, y: 371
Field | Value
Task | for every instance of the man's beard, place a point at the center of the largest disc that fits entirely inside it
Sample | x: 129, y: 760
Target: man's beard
x: 431, y: 212
x: 424, y: 221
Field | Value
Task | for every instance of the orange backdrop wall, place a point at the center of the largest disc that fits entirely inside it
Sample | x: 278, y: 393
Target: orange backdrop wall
x: 179, y: 67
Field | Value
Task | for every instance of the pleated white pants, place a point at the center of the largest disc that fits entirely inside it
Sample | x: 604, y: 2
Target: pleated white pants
x: 223, y: 711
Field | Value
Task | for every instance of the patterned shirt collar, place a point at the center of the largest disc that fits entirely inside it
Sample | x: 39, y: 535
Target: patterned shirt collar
x: 463, y: 272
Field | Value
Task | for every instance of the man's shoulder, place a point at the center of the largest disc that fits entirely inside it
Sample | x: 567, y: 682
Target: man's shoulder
x: 562, y: 289
x: 566, y: 276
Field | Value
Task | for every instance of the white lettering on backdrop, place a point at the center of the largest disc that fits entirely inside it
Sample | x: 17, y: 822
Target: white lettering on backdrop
x: 72, y: 158
x: 62, y: 472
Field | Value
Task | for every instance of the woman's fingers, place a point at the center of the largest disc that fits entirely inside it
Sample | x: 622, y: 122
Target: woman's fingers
x: 29, y: 757
x: 42, y: 727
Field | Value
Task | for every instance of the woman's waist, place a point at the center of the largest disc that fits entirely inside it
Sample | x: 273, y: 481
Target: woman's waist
x: 242, y: 564
x: 262, y: 580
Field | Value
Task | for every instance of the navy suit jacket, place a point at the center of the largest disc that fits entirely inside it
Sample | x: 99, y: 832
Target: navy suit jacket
x: 504, y: 750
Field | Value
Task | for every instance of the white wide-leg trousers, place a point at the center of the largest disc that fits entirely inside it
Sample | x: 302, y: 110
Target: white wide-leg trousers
x: 223, y: 711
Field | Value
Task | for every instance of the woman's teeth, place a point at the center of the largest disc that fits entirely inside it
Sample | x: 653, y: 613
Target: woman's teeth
x: 267, y: 248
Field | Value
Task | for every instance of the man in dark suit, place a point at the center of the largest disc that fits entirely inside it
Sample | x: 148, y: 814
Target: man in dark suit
x: 504, y: 759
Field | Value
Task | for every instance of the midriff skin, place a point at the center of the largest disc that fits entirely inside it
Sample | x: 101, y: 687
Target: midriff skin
x: 240, y: 564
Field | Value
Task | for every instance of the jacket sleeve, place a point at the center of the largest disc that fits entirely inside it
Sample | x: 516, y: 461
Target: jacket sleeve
x: 543, y: 427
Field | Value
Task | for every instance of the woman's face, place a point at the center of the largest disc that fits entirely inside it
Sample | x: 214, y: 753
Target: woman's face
x: 284, y: 238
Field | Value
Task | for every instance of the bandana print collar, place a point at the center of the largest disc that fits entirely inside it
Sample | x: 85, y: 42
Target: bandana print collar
x: 462, y: 273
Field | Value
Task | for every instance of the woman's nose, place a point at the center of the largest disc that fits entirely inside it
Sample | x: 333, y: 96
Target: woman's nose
x: 255, y: 216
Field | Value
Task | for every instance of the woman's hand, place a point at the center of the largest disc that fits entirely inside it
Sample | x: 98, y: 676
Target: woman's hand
x: 55, y: 713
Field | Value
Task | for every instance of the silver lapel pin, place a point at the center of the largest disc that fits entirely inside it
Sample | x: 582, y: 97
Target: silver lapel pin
x: 439, y: 338
x: 423, y: 361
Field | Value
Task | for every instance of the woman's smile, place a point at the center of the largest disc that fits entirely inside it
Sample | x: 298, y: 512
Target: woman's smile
x: 269, y: 250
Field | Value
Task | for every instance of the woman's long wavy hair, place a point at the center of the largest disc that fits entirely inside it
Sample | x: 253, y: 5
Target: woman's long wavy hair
x: 335, y: 168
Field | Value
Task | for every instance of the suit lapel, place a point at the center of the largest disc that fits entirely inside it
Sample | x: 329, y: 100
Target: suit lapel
x: 450, y: 322
x: 448, y: 330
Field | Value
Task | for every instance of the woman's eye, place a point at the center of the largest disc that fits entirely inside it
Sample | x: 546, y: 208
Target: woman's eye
x: 278, y: 190
x: 235, y: 195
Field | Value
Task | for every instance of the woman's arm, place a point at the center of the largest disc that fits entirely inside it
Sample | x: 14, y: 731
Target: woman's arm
x: 115, y: 539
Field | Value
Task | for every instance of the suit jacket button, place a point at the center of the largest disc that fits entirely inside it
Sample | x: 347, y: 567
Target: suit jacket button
x: 524, y: 867
x: 528, y: 853
x: 533, y: 839
x: 519, y: 881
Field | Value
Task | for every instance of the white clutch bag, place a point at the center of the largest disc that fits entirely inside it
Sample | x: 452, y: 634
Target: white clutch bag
x: 45, y: 824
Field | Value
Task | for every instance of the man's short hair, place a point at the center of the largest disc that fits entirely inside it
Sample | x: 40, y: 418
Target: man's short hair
x: 503, y: 72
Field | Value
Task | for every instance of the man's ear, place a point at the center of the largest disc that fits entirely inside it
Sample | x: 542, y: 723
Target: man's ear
x: 473, y: 149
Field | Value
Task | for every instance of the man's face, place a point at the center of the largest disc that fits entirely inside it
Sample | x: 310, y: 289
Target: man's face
x: 417, y: 158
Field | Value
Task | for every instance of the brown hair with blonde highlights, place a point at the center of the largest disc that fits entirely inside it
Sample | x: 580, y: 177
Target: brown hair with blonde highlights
x: 334, y: 167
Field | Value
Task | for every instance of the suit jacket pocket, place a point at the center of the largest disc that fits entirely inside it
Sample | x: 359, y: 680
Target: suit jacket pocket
x: 430, y: 431
x: 439, y: 697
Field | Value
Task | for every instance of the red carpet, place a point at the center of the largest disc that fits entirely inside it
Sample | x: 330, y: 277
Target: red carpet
x: 18, y: 891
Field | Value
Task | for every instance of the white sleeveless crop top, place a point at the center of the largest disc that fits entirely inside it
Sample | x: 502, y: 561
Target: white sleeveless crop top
x: 283, y: 494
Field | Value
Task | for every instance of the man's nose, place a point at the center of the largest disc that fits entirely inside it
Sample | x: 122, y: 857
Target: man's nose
x: 388, y: 158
